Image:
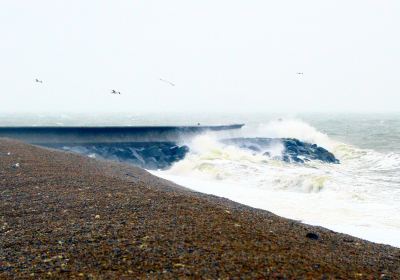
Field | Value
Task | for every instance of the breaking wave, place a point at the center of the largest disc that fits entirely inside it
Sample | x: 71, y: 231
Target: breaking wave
x: 359, y: 196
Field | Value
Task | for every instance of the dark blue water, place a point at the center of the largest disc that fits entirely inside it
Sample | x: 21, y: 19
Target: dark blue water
x: 162, y: 155
x: 155, y: 147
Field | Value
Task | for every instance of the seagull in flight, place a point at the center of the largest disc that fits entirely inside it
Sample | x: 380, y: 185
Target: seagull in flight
x: 168, y: 82
x: 38, y: 81
x: 299, y: 73
x: 115, y: 92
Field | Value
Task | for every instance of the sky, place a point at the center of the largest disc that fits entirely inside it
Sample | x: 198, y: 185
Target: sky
x: 222, y: 55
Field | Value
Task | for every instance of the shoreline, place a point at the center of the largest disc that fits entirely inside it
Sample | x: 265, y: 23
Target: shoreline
x: 64, y: 215
x: 385, y: 236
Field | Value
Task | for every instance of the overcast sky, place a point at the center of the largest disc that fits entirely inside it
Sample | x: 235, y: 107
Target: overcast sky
x: 222, y: 55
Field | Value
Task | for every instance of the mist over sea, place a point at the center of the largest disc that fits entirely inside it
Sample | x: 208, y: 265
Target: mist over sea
x: 360, y: 196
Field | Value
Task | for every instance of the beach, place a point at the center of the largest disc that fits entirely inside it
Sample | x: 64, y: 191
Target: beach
x: 64, y: 215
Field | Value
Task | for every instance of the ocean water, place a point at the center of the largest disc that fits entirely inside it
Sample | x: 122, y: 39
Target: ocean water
x: 360, y: 196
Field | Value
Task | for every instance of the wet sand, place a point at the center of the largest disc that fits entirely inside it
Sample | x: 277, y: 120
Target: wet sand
x: 63, y: 215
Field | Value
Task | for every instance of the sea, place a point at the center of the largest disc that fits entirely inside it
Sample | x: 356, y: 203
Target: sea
x: 358, y: 195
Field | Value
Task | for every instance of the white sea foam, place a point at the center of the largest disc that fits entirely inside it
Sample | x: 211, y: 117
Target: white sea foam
x: 290, y: 128
x: 360, y: 196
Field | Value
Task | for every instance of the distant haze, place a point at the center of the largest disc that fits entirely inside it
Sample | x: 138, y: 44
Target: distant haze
x: 227, y: 56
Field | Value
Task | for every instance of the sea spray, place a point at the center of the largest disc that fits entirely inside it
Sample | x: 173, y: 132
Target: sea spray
x: 359, y: 196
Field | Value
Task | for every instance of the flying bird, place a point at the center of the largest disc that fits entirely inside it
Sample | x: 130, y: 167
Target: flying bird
x: 168, y: 82
x: 38, y: 81
x: 299, y: 73
x: 115, y: 92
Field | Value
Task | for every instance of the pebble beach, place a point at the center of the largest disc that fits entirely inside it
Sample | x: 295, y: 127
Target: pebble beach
x: 67, y: 216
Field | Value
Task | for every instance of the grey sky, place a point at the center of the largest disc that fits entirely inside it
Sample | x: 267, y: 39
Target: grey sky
x: 222, y: 55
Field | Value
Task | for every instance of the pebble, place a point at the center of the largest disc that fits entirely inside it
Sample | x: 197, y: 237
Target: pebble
x: 312, y: 235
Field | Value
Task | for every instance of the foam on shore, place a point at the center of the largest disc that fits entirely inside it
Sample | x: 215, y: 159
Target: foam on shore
x: 360, y: 196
